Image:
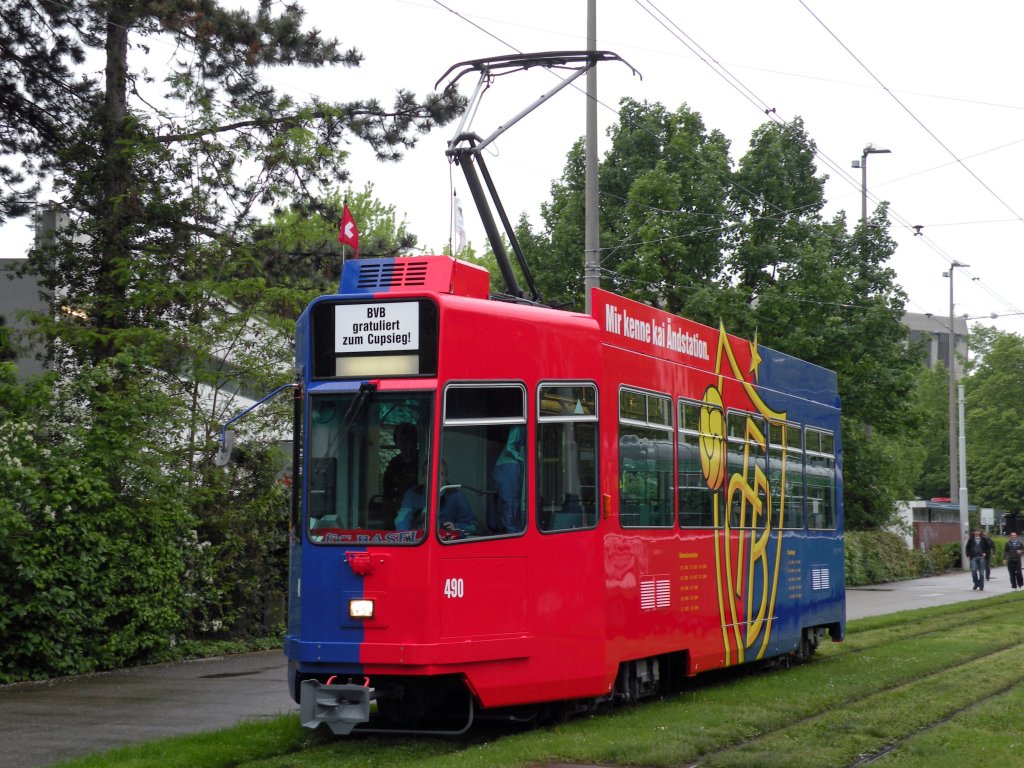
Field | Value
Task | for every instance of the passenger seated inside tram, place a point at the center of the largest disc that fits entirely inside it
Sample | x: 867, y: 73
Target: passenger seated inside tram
x: 456, y: 514
x: 508, y: 484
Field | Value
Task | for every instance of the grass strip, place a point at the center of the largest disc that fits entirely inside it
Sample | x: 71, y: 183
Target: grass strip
x: 865, y: 727
x: 864, y: 633
x: 993, y: 723
x: 226, y: 748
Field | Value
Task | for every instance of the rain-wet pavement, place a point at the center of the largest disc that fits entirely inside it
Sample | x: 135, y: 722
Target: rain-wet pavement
x: 43, y: 723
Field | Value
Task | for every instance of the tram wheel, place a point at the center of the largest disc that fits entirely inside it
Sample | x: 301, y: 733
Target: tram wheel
x: 805, y: 650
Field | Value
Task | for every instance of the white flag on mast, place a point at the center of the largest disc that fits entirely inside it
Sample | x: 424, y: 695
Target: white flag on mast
x: 460, y: 226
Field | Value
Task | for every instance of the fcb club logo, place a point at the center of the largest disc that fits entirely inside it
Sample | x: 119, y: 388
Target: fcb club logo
x: 747, y: 555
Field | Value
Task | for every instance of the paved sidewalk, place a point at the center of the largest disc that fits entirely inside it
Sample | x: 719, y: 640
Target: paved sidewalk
x: 946, y: 589
x: 43, y: 723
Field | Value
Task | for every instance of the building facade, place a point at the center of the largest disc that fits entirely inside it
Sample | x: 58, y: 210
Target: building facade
x: 934, y: 329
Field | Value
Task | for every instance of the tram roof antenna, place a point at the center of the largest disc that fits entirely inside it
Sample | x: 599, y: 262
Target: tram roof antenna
x: 466, y: 148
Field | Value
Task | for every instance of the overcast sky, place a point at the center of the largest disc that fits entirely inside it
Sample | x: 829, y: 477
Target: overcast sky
x: 937, y: 83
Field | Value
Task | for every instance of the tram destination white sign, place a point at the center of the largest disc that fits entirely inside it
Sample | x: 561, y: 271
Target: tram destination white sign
x: 379, y: 327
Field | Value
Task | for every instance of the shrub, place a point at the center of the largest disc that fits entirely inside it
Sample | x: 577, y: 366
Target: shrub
x: 877, y: 557
x: 90, y: 567
x: 938, y: 559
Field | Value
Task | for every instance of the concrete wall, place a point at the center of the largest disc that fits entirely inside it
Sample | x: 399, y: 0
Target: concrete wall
x: 928, y: 535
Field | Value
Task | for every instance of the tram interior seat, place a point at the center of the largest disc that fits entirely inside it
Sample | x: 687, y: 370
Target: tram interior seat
x: 376, y: 514
x: 570, y: 515
x: 635, y: 514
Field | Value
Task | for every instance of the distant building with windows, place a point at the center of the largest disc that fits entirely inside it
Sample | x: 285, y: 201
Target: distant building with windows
x: 21, y: 293
x: 927, y: 523
x: 18, y: 294
x: 934, y: 330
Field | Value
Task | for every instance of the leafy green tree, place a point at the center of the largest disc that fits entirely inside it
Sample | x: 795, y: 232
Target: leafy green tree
x: 663, y: 185
x: 168, y: 185
x: 982, y: 339
x: 302, y: 252
x: 165, y: 307
x: 37, y: 83
x: 7, y: 351
x: 839, y: 306
x: 994, y: 415
x: 778, y: 196
x: 92, y: 577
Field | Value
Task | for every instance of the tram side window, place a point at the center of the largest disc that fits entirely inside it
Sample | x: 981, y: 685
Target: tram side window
x: 646, y: 493
x: 747, y: 476
x: 567, y: 457
x: 697, y: 438
x: 483, y: 448
x: 821, y: 479
x: 785, y: 452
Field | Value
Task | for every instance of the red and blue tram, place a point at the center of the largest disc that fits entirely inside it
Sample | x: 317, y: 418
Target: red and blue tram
x: 504, y: 507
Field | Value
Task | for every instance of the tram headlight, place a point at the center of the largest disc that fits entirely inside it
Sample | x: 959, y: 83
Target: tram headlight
x: 360, y: 608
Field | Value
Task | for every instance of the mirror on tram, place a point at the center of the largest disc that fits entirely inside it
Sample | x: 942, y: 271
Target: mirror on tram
x: 227, y: 443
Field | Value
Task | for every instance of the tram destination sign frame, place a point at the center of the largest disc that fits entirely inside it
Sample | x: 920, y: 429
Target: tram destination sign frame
x: 360, y: 339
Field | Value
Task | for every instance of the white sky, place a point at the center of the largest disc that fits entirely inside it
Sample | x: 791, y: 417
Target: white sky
x: 935, y: 82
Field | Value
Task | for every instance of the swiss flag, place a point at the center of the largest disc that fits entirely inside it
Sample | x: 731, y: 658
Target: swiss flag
x: 348, y: 233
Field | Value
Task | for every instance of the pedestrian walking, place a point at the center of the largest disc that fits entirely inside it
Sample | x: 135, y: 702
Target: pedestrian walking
x: 1012, y: 554
x: 991, y: 551
x: 977, y: 551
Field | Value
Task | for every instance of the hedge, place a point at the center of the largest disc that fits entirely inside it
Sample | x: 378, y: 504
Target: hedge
x: 877, y: 557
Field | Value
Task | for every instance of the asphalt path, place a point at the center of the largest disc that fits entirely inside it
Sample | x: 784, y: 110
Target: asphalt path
x: 947, y: 589
x: 43, y: 723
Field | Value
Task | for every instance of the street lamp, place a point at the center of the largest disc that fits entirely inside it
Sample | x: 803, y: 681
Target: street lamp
x: 870, y: 149
x: 954, y: 480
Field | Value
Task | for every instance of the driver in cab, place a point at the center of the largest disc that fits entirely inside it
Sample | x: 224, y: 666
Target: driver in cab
x: 456, y: 514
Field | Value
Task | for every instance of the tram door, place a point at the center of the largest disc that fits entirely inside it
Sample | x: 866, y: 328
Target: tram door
x: 481, y: 510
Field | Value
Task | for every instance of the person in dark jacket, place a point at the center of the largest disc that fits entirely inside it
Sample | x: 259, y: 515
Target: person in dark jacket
x: 977, y: 551
x: 1012, y: 554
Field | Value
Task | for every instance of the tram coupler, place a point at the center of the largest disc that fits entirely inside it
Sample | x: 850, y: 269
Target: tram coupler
x: 341, y: 707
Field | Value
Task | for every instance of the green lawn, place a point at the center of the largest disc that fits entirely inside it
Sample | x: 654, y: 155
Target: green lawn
x: 921, y: 688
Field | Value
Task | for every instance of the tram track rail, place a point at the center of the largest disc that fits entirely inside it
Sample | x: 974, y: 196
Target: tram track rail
x: 869, y: 715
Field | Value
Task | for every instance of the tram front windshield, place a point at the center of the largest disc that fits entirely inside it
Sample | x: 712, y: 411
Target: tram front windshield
x: 367, y: 451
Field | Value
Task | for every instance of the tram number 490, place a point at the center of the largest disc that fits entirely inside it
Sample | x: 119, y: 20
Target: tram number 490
x: 454, y: 588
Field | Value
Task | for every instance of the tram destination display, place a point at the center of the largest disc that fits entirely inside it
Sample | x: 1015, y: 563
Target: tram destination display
x: 376, y: 338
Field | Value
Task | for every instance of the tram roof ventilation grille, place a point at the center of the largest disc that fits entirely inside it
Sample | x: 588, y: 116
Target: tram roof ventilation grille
x: 414, y: 275
x: 390, y: 275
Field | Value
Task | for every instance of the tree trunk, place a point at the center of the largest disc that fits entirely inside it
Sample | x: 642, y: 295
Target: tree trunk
x: 114, y: 252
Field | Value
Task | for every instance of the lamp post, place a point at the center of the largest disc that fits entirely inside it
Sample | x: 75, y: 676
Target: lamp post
x: 870, y: 149
x: 954, y: 480
x: 592, y: 224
